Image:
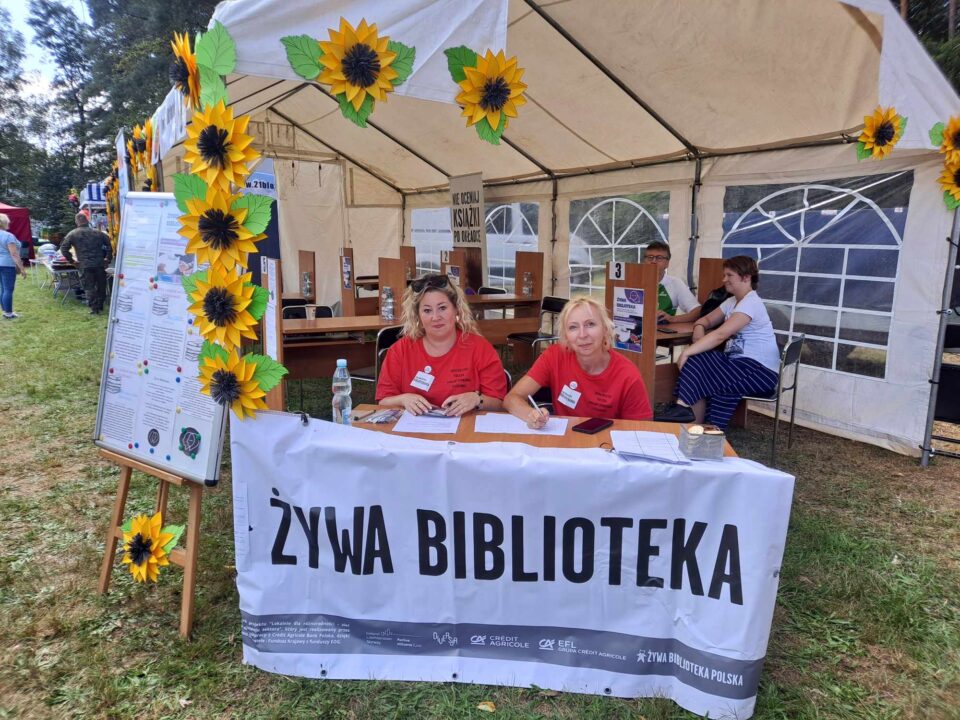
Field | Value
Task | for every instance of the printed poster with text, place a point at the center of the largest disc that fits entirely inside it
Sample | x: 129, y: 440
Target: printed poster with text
x: 628, y: 318
x: 151, y: 407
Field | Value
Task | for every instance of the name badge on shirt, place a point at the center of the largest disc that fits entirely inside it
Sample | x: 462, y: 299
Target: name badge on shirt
x: 422, y: 381
x: 569, y: 397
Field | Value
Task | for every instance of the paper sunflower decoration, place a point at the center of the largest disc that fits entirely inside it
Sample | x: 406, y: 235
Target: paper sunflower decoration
x: 221, y: 229
x: 217, y: 147
x: 239, y: 383
x: 136, y: 148
x: 147, y: 545
x: 490, y: 89
x: 881, y: 131
x: 948, y: 138
x: 359, y: 66
x: 227, y: 305
x: 950, y: 182
x: 183, y: 71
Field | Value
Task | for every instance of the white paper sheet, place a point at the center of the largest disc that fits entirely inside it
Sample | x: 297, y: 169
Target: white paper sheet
x: 411, y: 423
x: 646, y: 445
x: 507, y: 423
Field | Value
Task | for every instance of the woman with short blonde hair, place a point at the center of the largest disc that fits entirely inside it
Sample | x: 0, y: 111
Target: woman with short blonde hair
x: 585, y: 376
x: 10, y: 265
x: 440, y: 363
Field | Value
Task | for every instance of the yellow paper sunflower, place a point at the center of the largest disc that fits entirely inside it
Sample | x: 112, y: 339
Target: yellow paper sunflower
x: 356, y: 63
x: 217, y: 147
x: 183, y: 71
x: 491, y: 88
x: 881, y: 131
x: 143, y: 547
x: 215, y: 232
x: 228, y: 379
x: 950, y: 146
x: 220, y: 303
x: 950, y: 181
x: 136, y: 146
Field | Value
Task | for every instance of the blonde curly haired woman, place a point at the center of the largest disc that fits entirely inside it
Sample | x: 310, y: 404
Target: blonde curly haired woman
x: 440, y: 361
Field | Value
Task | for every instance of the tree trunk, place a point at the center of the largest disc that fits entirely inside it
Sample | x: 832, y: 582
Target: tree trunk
x: 951, y: 18
x: 903, y: 8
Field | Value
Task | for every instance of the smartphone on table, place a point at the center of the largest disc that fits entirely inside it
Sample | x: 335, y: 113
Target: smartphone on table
x: 592, y: 426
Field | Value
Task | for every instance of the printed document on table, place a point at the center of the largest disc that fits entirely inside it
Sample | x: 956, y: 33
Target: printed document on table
x: 411, y: 423
x: 646, y: 445
x: 507, y: 423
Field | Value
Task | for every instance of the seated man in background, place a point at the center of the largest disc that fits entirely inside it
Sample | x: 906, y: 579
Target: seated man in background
x: 93, y: 253
x: 675, y: 302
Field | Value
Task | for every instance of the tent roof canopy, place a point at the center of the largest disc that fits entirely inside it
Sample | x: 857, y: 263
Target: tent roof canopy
x: 612, y: 85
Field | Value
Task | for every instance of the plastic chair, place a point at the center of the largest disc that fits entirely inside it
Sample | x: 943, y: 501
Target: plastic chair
x: 385, y: 338
x: 294, y: 312
x: 548, y: 306
x: 323, y: 311
x: 790, y: 357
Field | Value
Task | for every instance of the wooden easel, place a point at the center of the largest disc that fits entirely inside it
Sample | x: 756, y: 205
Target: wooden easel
x: 183, y: 557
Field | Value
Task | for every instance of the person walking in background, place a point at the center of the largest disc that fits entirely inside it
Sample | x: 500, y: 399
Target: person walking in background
x: 10, y: 265
x: 93, y: 253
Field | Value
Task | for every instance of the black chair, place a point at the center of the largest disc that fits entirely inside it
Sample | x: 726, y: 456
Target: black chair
x: 323, y: 311
x: 544, y: 398
x: 484, y: 290
x: 291, y: 302
x: 548, y: 306
x: 294, y: 312
x: 789, y: 358
x: 385, y: 338
x: 509, y: 378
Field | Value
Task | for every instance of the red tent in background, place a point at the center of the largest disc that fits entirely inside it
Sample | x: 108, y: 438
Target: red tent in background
x: 19, y: 224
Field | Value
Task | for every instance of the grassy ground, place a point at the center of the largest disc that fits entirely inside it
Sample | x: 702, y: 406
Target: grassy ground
x: 867, y: 623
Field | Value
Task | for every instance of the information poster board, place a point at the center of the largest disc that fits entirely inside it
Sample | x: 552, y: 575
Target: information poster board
x: 467, y: 220
x: 628, y: 318
x: 151, y: 408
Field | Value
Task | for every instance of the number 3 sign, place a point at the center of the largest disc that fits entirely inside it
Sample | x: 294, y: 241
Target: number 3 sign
x: 616, y: 271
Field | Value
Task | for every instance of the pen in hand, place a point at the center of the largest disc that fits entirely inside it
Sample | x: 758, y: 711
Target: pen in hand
x: 542, y: 415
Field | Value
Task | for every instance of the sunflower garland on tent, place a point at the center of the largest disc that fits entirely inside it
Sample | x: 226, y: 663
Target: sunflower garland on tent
x: 490, y: 89
x: 359, y: 65
x: 184, y: 74
x: 222, y: 227
x: 147, y: 545
x: 881, y: 131
x: 947, y: 137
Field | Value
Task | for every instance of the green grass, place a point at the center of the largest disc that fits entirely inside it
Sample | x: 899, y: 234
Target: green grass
x: 867, y: 622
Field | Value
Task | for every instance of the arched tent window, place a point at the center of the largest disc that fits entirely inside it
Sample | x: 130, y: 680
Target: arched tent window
x: 828, y: 254
x: 612, y: 229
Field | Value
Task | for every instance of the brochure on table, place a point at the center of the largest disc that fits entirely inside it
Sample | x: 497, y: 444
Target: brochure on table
x: 151, y: 408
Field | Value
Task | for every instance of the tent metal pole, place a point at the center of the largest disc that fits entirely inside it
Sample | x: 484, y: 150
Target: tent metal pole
x: 694, y: 222
x: 945, y: 312
x: 553, y: 237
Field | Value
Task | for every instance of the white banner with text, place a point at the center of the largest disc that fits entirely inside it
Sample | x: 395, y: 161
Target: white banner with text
x: 365, y: 555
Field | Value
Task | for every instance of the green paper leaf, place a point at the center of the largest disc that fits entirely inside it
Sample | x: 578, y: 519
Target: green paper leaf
x: 354, y: 116
x: 403, y: 63
x: 259, y: 208
x: 269, y: 372
x: 258, y: 304
x: 486, y: 132
x: 936, y: 134
x: 128, y: 526
x: 862, y: 152
x: 303, y: 54
x: 903, y: 125
x: 189, y: 283
x: 177, y: 531
x: 216, y: 50
x: 212, y: 350
x: 212, y: 89
x: 188, y: 187
x: 950, y: 200
x: 457, y: 59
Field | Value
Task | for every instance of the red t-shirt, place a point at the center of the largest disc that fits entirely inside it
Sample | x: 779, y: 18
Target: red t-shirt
x: 618, y: 393
x: 471, y: 364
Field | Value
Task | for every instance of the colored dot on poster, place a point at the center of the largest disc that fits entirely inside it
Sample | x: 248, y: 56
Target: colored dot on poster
x: 139, y: 372
x: 120, y: 276
x: 139, y: 365
x: 147, y: 371
x: 146, y: 362
x: 151, y: 279
x: 178, y: 379
x: 151, y: 451
x: 179, y: 369
x: 190, y: 321
x: 130, y: 446
x: 178, y: 410
x: 112, y: 355
x: 136, y: 444
x: 111, y: 371
x: 168, y: 457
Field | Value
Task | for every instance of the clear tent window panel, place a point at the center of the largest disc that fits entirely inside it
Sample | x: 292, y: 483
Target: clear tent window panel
x: 612, y: 229
x: 510, y: 227
x: 829, y: 254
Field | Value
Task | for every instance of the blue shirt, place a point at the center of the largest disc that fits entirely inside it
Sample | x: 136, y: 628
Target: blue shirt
x: 6, y: 260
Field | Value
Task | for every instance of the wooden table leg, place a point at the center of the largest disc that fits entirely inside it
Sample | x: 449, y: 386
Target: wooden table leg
x: 116, y: 522
x: 190, y: 561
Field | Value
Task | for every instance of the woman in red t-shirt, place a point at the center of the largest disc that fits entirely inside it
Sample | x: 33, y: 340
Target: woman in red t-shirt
x: 585, y: 378
x: 440, y: 361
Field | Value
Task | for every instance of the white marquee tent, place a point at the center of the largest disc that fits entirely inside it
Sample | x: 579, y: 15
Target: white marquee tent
x: 725, y: 127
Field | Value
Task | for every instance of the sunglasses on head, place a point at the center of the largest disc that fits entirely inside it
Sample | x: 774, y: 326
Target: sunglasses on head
x: 431, y: 282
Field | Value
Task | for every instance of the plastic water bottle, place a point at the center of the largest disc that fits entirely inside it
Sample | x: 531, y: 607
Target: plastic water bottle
x: 387, y: 305
x: 342, y: 404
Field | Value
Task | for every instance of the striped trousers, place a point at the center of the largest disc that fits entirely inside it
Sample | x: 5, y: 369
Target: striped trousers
x: 722, y: 381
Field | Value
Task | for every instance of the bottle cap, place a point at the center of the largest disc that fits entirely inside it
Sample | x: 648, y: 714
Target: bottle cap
x: 341, y: 362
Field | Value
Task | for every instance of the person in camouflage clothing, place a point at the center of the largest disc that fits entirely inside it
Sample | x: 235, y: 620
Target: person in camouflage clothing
x: 93, y: 253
